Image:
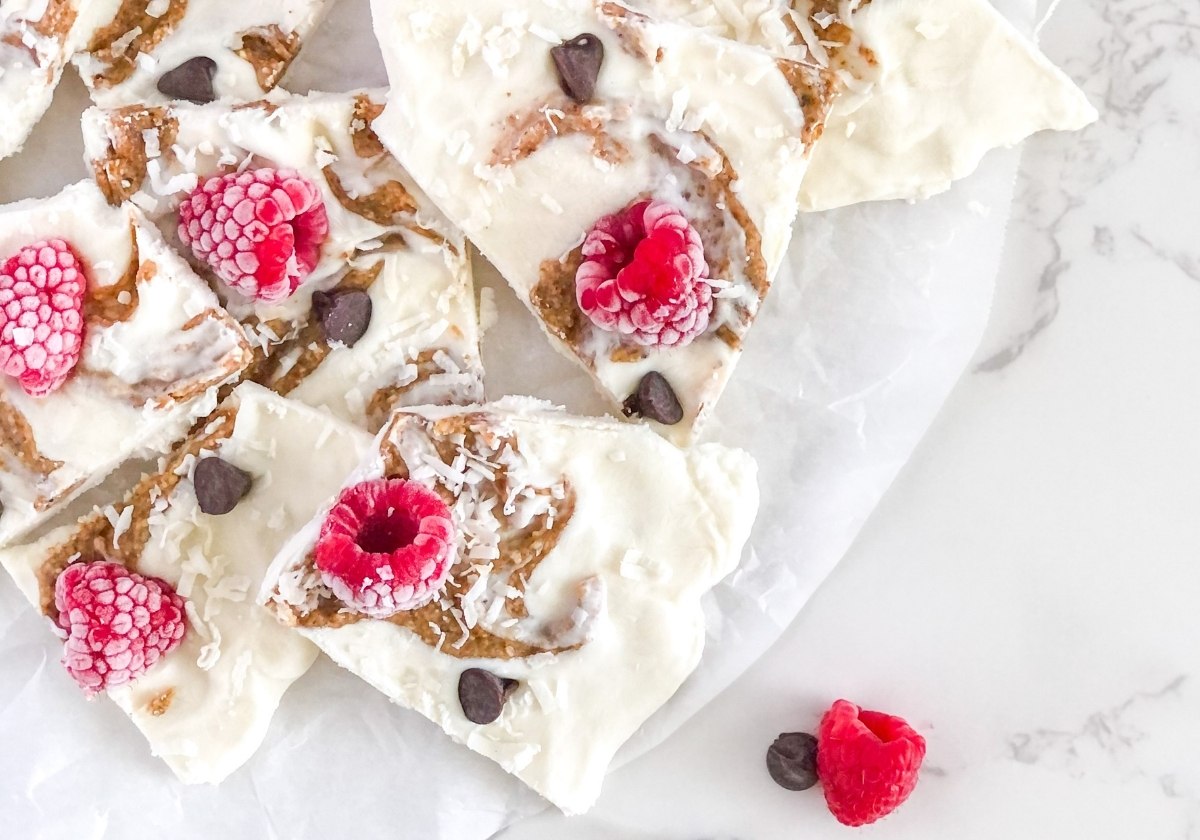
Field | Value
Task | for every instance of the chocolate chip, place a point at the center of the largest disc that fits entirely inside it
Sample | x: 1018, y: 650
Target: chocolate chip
x: 483, y: 694
x: 344, y: 316
x: 792, y: 761
x: 220, y: 485
x: 578, y: 63
x: 655, y: 400
x: 192, y: 80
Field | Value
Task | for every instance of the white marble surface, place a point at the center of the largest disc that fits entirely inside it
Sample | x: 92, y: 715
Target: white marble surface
x: 1028, y: 594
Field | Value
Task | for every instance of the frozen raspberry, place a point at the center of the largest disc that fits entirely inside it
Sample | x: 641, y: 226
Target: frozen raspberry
x: 644, y: 276
x: 260, y: 230
x: 867, y: 762
x: 117, y: 623
x: 41, y: 315
x: 386, y: 546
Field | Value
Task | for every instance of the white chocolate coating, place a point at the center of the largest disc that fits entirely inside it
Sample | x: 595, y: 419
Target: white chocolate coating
x: 235, y: 663
x: 659, y: 84
x: 653, y: 529
x: 116, y: 405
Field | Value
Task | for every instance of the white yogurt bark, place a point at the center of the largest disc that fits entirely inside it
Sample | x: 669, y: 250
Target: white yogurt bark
x: 385, y: 236
x: 37, y: 37
x: 249, y: 42
x: 950, y: 81
x: 716, y: 128
x: 584, y: 549
x: 956, y: 81
x: 205, y: 707
x: 156, y: 348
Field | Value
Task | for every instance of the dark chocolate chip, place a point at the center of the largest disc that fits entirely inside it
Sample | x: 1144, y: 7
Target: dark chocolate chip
x: 792, y: 760
x: 344, y: 316
x: 578, y: 63
x: 220, y: 485
x: 655, y: 400
x: 192, y: 80
x: 483, y: 694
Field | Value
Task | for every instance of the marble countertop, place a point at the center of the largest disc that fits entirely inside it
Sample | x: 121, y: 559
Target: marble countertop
x: 1028, y: 594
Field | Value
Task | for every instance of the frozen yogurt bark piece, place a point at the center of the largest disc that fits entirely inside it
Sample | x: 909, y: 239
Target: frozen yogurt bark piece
x: 156, y: 51
x: 955, y: 80
x: 929, y: 87
x: 560, y: 135
x: 37, y: 37
x: 385, y: 314
x: 142, y: 343
x: 207, y: 701
x: 571, y: 608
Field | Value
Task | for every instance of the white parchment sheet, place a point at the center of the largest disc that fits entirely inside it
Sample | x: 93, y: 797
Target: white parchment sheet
x: 874, y: 317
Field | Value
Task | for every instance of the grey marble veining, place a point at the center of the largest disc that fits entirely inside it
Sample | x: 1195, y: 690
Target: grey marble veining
x: 1137, y: 60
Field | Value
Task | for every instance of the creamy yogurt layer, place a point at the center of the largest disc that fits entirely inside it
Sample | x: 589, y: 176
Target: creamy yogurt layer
x: 718, y: 130
x: 583, y: 549
x: 206, y: 705
x: 156, y: 349
x: 385, y: 238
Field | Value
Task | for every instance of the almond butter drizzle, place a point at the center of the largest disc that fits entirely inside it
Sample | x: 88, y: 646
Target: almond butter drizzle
x: 815, y: 90
x: 266, y: 106
x: 93, y: 536
x: 553, y: 297
x: 387, y: 399
x: 525, y: 133
x: 111, y: 45
x: 727, y: 335
x: 521, y: 552
x: 270, y: 51
x: 381, y: 206
x: 16, y: 436
x: 160, y: 703
x: 755, y: 263
x: 366, y: 142
x: 122, y: 170
x: 57, y: 20
x: 839, y: 38
x: 627, y: 354
x: 629, y: 28
x: 103, y: 306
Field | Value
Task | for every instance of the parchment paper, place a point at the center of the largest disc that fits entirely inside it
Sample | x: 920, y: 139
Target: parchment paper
x: 872, y: 321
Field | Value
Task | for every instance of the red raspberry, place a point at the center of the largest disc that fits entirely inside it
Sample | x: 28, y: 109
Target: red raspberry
x: 117, y: 623
x: 260, y: 230
x: 867, y: 762
x: 644, y: 276
x: 41, y: 315
x: 386, y: 546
